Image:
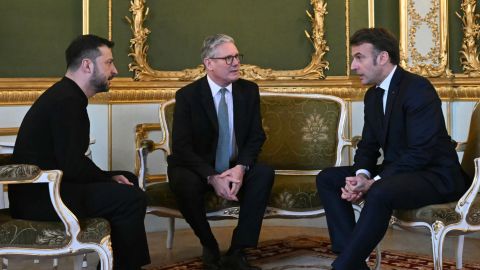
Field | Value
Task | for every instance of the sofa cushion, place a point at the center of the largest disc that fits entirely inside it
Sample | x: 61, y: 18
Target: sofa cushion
x: 42, y: 234
x: 289, y: 192
x: 440, y: 212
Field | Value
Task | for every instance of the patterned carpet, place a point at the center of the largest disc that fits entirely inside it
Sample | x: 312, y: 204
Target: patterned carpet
x: 308, y: 252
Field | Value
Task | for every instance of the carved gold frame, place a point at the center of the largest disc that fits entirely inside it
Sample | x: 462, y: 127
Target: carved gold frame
x: 144, y: 72
x: 471, y: 33
x: 435, y: 62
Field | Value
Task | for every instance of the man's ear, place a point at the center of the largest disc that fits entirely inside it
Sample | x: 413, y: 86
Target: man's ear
x: 207, y: 63
x: 87, y: 66
x: 384, y: 58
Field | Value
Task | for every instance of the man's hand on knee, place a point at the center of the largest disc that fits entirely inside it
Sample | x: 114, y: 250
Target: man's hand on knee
x: 121, y: 180
x: 223, y: 186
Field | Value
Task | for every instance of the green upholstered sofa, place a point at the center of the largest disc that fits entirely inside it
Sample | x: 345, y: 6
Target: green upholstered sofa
x: 304, y: 135
x: 35, y: 238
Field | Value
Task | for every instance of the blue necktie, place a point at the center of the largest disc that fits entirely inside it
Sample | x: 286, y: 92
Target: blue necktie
x: 222, y: 159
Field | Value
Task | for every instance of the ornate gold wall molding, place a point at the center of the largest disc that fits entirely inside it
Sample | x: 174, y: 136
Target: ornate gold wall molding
x: 471, y: 33
x: 22, y: 91
x: 144, y: 72
x: 85, y: 16
x: 424, y: 37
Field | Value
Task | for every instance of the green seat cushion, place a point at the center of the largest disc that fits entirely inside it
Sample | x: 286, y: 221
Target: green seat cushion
x: 46, y: 235
x: 159, y: 194
x: 295, y: 193
x: 289, y: 192
x: 440, y: 212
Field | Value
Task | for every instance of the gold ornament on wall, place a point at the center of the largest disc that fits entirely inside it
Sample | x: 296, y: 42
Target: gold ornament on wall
x: 419, y: 54
x: 471, y: 33
x: 144, y: 72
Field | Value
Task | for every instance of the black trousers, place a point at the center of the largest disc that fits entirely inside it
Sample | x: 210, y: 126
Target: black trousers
x: 355, y: 241
x: 190, y: 188
x: 122, y: 205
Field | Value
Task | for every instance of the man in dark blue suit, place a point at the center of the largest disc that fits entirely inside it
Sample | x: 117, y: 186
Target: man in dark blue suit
x: 216, y: 138
x: 403, y: 117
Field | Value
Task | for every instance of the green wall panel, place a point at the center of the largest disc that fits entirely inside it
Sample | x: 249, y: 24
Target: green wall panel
x: 335, y: 35
x: 35, y: 35
x: 455, y: 35
x: 99, y: 18
x: 358, y: 18
x: 269, y: 33
x: 387, y: 15
x: 121, y: 35
x: 358, y: 15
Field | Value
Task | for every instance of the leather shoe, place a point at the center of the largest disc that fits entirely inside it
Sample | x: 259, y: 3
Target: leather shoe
x: 211, y: 258
x: 236, y: 260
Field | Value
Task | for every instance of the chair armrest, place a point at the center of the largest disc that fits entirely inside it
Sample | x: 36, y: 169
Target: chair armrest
x: 142, y: 130
x: 466, y: 201
x: 353, y: 142
x: 24, y: 174
x: 144, y: 147
x: 19, y: 173
x: 460, y: 146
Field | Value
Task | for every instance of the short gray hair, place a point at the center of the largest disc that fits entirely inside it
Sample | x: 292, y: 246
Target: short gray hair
x: 212, y: 42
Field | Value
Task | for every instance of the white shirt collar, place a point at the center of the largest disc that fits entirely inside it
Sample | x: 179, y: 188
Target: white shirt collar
x: 385, y: 85
x: 215, y: 87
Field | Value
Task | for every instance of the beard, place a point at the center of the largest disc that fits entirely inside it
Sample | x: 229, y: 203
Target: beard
x: 99, y: 83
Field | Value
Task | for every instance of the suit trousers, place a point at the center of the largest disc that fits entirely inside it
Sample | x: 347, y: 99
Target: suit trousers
x: 122, y: 205
x: 355, y: 241
x: 190, y: 189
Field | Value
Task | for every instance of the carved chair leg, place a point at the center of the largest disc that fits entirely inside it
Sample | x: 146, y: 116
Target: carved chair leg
x: 4, y: 264
x: 378, y: 260
x: 55, y: 263
x: 437, y: 246
x: 78, y: 262
x: 170, y: 232
x: 459, y: 251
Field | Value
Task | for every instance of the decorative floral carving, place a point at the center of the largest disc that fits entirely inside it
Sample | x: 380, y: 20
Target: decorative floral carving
x: 315, y: 130
x: 143, y: 71
x: 51, y: 237
x: 434, y: 63
x: 471, y: 33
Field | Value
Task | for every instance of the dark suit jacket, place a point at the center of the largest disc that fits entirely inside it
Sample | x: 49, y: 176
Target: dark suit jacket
x: 195, y: 126
x: 412, y: 134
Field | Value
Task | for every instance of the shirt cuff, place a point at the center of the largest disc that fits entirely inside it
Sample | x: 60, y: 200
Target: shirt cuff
x: 366, y: 172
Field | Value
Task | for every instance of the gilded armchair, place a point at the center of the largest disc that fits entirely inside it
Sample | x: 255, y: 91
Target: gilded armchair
x: 50, y: 239
x: 456, y: 218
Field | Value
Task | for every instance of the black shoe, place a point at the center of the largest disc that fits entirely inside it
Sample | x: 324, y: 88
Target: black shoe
x: 236, y: 260
x: 211, y: 258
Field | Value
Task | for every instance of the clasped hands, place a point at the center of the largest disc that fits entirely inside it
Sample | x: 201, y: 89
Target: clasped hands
x: 355, y: 187
x: 228, y: 183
